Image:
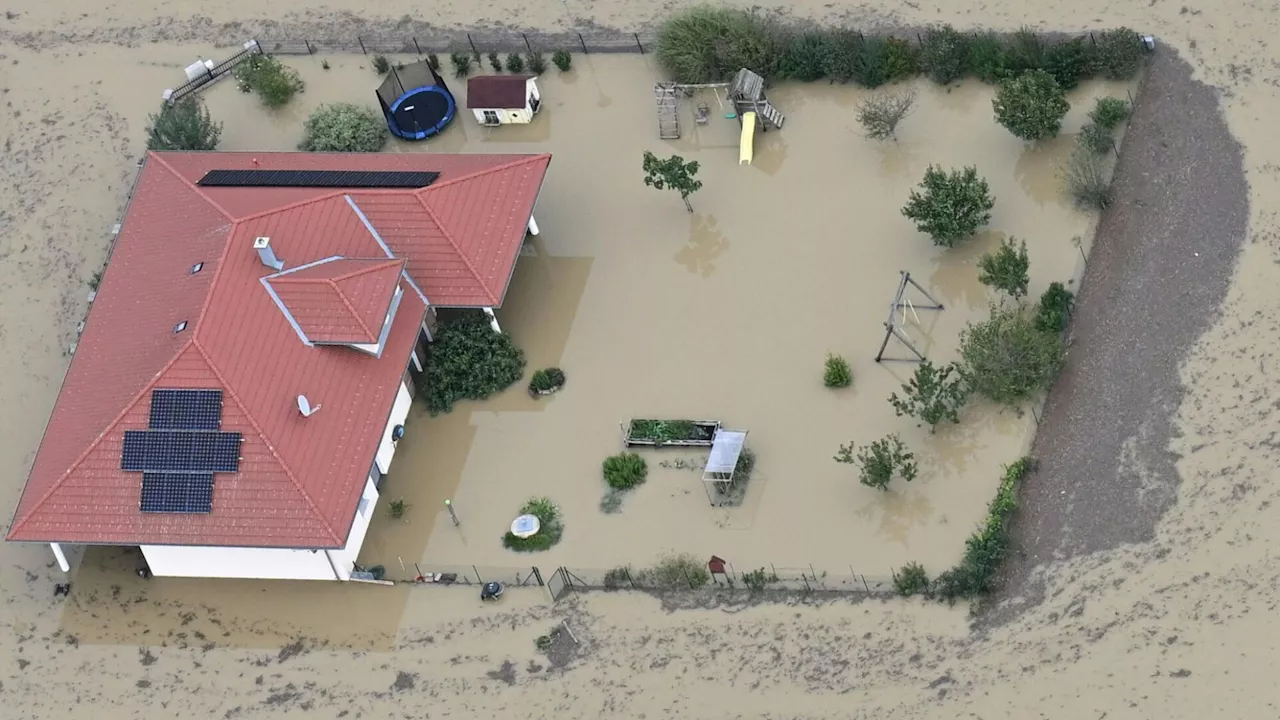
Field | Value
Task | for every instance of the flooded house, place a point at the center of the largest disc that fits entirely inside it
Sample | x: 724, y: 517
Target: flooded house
x: 244, y: 373
x: 503, y: 99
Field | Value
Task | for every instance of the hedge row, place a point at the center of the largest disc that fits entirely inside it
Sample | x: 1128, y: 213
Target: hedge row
x: 709, y: 44
x: 987, y: 547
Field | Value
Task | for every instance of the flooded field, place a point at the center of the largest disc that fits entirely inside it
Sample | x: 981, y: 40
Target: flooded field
x: 1178, y: 627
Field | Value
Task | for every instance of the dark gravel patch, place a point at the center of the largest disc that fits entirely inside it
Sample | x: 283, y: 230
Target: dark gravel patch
x: 1157, y: 275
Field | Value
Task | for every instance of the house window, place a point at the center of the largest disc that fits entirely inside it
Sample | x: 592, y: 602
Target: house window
x: 180, y: 326
x: 491, y: 117
x: 197, y: 268
x: 364, y: 507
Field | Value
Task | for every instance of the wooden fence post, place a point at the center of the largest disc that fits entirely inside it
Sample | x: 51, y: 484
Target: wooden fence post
x: 361, y: 41
x: 638, y: 44
x: 527, y: 46
x: 583, y: 43
x: 472, y: 43
x: 415, y: 46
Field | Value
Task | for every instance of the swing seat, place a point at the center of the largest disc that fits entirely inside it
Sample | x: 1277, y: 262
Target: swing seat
x: 702, y: 114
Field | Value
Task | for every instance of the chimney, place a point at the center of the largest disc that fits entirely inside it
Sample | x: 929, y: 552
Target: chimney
x: 306, y: 408
x: 266, y: 254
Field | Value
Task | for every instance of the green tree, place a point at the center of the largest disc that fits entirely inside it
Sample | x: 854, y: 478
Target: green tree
x: 343, y: 127
x: 880, y: 461
x: 950, y: 206
x: 1006, y: 269
x: 1031, y: 105
x: 1007, y: 358
x: 184, y: 125
x: 468, y: 361
x: 1053, y: 312
x: 672, y: 173
x: 932, y: 394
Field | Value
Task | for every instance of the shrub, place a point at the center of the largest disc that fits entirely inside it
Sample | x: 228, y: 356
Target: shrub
x: 1007, y: 358
x: 1108, y: 112
x: 837, y: 373
x: 343, y: 127
x: 1054, y: 310
x: 878, y: 462
x: 756, y: 580
x: 461, y: 64
x: 901, y: 59
x: 707, y: 43
x: 880, y: 114
x: 987, y: 546
x: 544, y: 381
x: 1069, y: 62
x: 397, y: 508
x: 381, y: 64
x: 537, y: 63
x: 611, y: 502
x: 944, y: 52
x: 844, y: 58
x: 1096, y: 138
x: 911, y: 580
x: 1023, y: 52
x: 1006, y: 269
x: 562, y: 59
x: 986, y: 58
x: 275, y: 83
x: 624, y: 471
x: 184, y: 125
x: 468, y: 361
x: 1086, y: 180
x: 550, y: 527
x: 1119, y: 53
x: 433, y: 60
x: 495, y: 62
x: 515, y: 63
x: 664, y: 431
x: 932, y: 394
x: 674, y: 572
x: 870, y: 63
x: 805, y: 57
x: 617, y: 577
x: 950, y: 206
x: 1031, y: 106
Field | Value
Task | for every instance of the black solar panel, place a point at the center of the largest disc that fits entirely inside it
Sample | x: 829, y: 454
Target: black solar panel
x: 177, y: 493
x: 319, y: 178
x: 180, y: 451
x: 186, y: 409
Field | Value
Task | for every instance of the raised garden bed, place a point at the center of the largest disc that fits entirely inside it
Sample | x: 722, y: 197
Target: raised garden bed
x: 671, y: 433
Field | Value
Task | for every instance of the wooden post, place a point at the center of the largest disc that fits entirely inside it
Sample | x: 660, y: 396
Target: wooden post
x: 583, y: 43
x: 637, y: 37
x: 477, y: 572
x: 361, y: 41
x: 415, y: 46
x: 527, y: 46
x: 310, y: 50
x: 472, y: 43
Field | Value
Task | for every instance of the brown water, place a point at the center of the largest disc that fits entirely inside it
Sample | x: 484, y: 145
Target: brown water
x: 1180, y: 637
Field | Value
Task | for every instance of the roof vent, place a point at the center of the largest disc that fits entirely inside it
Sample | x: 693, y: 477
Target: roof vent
x: 266, y: 254
x: 306, y: 408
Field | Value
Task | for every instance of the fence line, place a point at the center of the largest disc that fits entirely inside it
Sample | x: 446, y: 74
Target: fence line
x: 468, y: 42
x: 765, y: 577
x: 213, y: 72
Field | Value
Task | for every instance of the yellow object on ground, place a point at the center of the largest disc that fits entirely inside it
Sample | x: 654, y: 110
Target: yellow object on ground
x: 748, y: 137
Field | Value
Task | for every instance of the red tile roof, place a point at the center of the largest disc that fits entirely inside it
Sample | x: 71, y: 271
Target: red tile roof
x: 339, y: 300
x: 497, y: 92
x: 299, y: 479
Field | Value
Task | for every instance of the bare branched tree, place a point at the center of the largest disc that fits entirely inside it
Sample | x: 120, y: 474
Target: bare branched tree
x: 881, y: 113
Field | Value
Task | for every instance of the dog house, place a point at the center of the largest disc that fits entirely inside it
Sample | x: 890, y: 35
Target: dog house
x: 503, y: 99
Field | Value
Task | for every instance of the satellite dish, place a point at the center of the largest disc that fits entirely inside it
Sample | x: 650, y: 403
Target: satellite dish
x: 305, y: 407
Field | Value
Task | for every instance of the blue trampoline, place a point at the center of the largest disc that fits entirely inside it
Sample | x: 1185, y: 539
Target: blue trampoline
x: 416, y: 102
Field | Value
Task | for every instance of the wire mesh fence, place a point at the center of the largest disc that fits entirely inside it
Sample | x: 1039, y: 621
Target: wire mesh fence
x: 470, y: 42
x: 766, y: 577
x: 464, y: 574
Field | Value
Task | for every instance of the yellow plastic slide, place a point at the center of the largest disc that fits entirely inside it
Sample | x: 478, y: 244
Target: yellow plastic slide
x: 748, y: 136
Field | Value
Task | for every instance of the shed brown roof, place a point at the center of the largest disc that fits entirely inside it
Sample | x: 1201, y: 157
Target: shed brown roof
x: 497, y: 92
x: 300, y: 479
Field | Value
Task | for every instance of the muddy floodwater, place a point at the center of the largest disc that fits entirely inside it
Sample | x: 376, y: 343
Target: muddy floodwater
x: 724, y: 314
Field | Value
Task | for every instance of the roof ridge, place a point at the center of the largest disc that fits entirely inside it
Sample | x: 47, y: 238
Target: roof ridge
x: 454, y: 244
x: 228, y: 389
x: 193, y: 186
x: 520, y: 160
x: 98, y: 440
x: 379, y: 264
x: 290, y: 206
x: 351, y: 309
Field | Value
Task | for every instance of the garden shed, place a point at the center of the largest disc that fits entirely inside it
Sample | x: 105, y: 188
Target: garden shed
x: 503, y: 99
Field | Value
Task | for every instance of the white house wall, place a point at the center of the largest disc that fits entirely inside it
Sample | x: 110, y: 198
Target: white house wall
x: 507, y: 117
x: 258, y: 563
x: 344, y: 559
x: 399, y: 412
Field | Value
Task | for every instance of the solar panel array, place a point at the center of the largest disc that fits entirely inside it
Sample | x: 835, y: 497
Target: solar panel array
x: 181, y: 450
x: 177, y: 493
x: 186, y: 409
x: 319, y: 178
